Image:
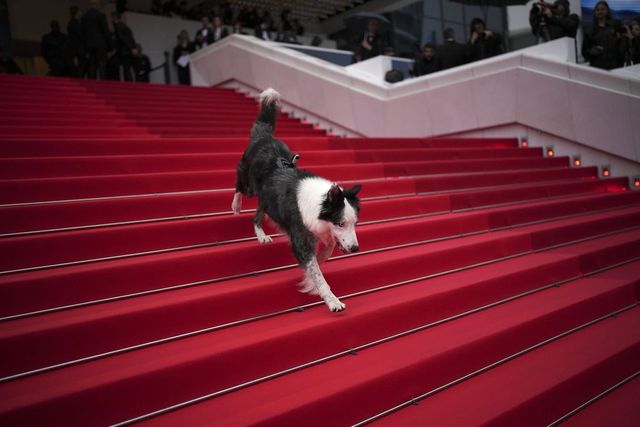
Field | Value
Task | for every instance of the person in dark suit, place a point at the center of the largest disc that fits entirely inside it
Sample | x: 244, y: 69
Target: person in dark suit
x: 262, y: 31
x: 372, y: 43
x: 55, y: 50
x: 97, y: 40
x: 218, y: 31
x: 180, y: 57
x: 125, y: 45
x: 451, y: 53
x: 76, y: 43
x: 427, y: 62
x: 141, y: 65
x: 206, y: 32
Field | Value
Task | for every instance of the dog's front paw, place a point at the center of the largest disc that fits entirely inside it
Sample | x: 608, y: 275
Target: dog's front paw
x: 265, y: 239
x: 335, y: 305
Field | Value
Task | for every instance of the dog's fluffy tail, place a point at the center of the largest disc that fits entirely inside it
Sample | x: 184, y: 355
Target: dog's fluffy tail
x: 269, y: 107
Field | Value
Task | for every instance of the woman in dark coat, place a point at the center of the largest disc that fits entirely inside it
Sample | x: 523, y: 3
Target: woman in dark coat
x: 602, y: 45
x: 183, y: 48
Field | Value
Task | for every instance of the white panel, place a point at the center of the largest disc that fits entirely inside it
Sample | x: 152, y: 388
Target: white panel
x: 408, y: 116
x: 602, y: 120
x: 543, y: 103
x: 559, y: 69
x: 634, y: 114
x: 338, y: 102
x: 600, y: 78
x: 499, y: 63
x: 309, y: 95
x: 368, y: 113
x: 451, y: 108
x: 241, y: 62
x: 494, y: 98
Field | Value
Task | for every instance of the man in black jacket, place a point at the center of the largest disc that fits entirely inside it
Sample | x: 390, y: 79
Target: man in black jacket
x: 76, y: 42
x: 125, y: 45
x: 426, y: 63
x: 141, y: 65
x: 54, y: 47
x: 550, y: 22
x: 97, y: 40
x: 451, y: 53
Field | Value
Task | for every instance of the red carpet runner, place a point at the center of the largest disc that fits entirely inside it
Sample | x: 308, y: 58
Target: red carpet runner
x: 494, y: 285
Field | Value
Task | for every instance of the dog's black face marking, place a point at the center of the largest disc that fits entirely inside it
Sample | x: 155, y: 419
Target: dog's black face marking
x: 333, y: 206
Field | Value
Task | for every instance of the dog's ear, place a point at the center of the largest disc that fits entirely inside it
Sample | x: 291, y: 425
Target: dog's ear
x: 353, y: 191
x: 335, y: 195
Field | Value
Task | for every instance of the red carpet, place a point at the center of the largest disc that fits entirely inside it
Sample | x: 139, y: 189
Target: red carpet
x: 494, y: 285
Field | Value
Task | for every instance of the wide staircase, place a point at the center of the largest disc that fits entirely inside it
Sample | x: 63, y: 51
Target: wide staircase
x: 494, y: 285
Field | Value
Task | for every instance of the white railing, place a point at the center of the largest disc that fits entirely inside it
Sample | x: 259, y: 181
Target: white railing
x: 539, y: 88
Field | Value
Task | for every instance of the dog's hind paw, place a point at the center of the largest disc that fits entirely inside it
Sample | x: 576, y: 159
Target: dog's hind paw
x: 265, y: 239
x: 335, y: 305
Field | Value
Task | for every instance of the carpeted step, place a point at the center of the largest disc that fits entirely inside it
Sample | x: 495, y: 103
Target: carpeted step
x: 154, y: 145
x: 420, y: 360
x: 33, y: 167
x: 323, y: 165
x: 44, y: 289
x: 154, y: 316
x: 69, y: 188
x: 100, y: 212
x: 618, y: 407
x: 568, y: 372
x: 92, y: 244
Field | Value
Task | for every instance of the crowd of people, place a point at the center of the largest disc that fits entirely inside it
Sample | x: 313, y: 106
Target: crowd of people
x: 215, y: 29
x: 607, y: 43
x: 482, y: 44
x: 91, y: 49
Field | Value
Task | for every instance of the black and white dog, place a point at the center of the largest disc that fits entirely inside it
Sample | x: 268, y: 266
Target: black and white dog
x: 311, y: 210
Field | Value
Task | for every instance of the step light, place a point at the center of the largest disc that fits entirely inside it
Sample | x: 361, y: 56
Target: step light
x: 524, y: 143
x: 576, y: 161
x: 549, y: 151
x: 606, y: 171
x: 636, y: 182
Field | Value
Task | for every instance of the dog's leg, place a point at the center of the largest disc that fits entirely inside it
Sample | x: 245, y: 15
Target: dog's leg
x: 327, y: 250
x: 257, y: 225
x: 236, y: 205
x: 315, y: 282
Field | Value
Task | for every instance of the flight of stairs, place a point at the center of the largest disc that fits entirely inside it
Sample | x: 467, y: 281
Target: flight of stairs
x: 494, y: 285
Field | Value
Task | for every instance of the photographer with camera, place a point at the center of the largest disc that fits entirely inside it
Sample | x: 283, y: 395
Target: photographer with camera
x: 603, y: 44
x: 483, y: 43
x: 553, y: 21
